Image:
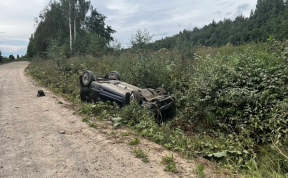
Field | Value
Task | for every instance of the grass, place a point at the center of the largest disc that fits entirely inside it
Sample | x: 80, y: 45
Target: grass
x: 230, y: 101
x: 92, y: 124
x: 124, y: 134
x: 200, y: 169
x: 140, y: 154
x: 112, y: 133
x: 135, y: 141
x: 169, y: 163
x: 85, y: 120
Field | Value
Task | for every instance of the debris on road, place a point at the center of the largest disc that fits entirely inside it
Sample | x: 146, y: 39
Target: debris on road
x: 40, y: 93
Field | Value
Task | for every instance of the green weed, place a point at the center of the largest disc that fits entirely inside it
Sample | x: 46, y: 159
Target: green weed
x: 85, y: 120
x: 140, y: 154
x: 135, y: 141
x: 126, y: 133
x: 200, y: 169
x: 169, y: 163
x: 112, y: 133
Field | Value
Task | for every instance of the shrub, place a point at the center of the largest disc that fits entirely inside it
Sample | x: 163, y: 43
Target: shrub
x: 230, y: 100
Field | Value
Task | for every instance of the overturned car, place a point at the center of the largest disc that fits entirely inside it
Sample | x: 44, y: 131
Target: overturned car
x: 110, y: 88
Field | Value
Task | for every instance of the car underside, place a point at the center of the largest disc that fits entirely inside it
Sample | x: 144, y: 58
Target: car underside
x: 110, y: 88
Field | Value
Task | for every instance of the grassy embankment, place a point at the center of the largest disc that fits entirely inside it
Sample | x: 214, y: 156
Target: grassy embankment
x: 232, y: 102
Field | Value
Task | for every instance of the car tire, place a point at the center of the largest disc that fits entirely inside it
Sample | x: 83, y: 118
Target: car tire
x: 87, y: 78
x: 114, y: 75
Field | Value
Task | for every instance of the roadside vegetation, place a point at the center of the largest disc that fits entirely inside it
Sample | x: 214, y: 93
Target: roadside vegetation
x: 231, y: 101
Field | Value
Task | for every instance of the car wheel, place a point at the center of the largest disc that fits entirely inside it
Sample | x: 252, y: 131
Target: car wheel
x: 87, y: 77
x: 114, y: 75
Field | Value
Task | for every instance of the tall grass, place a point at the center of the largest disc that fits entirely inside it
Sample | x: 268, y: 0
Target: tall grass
x: 231, y: 101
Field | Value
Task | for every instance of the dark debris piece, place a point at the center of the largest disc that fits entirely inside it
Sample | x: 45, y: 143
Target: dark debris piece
x: 40, y: 93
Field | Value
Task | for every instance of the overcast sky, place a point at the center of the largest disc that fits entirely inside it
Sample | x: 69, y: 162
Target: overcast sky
x: 160, y: 17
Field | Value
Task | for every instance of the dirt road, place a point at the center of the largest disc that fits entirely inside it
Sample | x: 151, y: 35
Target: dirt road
x: 31, y: 144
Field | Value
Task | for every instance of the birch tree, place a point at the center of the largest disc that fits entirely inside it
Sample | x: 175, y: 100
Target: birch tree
x: 67, y: 24
x: 77, y: 10
x: 70, y: 28
x: 81, y: 9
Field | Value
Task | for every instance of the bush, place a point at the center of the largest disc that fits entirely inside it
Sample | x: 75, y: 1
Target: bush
x: 244, y: 93
x: 230, y: 100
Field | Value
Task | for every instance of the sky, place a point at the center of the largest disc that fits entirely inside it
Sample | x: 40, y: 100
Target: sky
x: 160, y: 17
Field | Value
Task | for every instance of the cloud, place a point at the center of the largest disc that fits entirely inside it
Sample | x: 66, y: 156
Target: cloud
x: 11, y: 48
x: 123, y: 7
x: 223, y: 3
x: 242, y: 8
x: 170, y: 17
x: 161, y: 18
x: 13, y: 41
x: 16, y: 23
x: 161, y: 34
x: 217, y: 12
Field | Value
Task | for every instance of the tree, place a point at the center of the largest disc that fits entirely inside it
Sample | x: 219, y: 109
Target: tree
x: 140, y: 39
x: 75, y: 11
x: 18, y: 57
x: 1, y: 57
x: 70, y: 28
x: 284, y: 25
x: 81, y: 9
x: 67, y: 21
x: 50, y: 25
x: 11, y: 57
x: 96, y: 23
x: 31, y: 50
x: 268, y: 19
x: 116, y: 47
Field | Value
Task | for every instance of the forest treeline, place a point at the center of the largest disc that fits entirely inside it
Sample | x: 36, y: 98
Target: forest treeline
x: 270, y: 18
x: 76, y: 27
x: 71, y: 27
